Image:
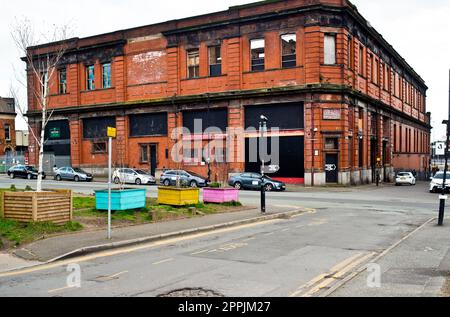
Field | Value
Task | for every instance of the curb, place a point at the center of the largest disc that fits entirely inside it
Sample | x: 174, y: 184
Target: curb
x: 126, y: 243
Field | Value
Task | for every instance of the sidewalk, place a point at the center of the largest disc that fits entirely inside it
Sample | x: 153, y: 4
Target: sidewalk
x: 59, y: 247
x: 418, y: 267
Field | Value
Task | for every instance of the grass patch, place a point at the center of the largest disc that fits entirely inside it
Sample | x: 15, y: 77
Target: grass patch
x: 84, y: 207
x: 83, y: 203
x: 20, y: 233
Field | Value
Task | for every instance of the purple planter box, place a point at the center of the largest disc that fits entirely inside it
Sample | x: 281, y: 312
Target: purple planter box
x: 220, y: 195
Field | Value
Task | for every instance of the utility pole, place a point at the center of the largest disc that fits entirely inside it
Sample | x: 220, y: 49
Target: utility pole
x: 112, y: 133
x: 443, y: 198
x: 262, y: 151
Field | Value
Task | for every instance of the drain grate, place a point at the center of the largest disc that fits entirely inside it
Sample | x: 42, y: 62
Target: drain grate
x: 192, y: 292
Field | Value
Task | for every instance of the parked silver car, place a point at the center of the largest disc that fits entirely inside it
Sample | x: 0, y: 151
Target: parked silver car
x: 73, y: 174
x: 169, y: 178
x: 133, y: 176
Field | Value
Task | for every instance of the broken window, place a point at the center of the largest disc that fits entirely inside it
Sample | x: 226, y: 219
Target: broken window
x: 96, y: 128
x: 215, y: 61
x: 44, y: 83
x: 106, y: 75
x: 62, y: 81
x: 193, y: 63
x: 7, y: 129
x: 144, y: 153
x: 99, y: 147
x: 257, y: 54
x: 330, y: 49
x: 289, y: 50
x: 331, y: 144
x: 90, y: 77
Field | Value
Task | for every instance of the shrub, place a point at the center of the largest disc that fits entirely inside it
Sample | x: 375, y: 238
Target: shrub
x: 13, y: 188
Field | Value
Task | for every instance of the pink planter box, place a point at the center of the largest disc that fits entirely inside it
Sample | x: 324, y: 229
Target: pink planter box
x: 220, y: 195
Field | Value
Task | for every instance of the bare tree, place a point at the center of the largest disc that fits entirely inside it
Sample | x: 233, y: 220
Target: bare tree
x: 41, y: 65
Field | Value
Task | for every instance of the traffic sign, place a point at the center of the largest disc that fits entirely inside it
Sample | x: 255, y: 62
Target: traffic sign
x: 271, y: 169
x: 112, y: 132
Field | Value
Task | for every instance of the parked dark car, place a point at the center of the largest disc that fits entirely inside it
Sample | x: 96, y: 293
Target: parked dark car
x: 73, y: 174
x: 253, y: 181
x: 169, y: 178
x: 22, y: 171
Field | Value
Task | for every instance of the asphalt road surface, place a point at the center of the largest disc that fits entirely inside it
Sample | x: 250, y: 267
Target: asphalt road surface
x: 289, y: 257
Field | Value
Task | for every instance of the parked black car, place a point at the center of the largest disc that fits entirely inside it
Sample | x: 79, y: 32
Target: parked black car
x: 73, y: 174
x: 169, y: 178
x: 253, y: 181
x: 22, y: 171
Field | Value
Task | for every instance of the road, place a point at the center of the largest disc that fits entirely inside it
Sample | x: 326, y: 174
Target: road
x: 301, y: 256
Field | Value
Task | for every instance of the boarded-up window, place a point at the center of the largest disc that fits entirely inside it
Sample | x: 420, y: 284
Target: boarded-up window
x: 330, y: 49
x: 209, y: 118
x: 57, y: 130
x: 284, y: 116
x: 96, y: 128
x: 148, y: 124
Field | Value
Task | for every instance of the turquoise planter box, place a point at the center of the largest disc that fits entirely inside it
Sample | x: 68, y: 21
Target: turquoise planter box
x: 121, y: 200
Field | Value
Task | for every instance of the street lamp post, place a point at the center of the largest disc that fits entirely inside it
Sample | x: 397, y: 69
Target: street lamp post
x: 262, y: 151
x: 443, y: 198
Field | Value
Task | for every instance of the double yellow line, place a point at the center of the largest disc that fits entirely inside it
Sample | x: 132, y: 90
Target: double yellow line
x: 338, y: 272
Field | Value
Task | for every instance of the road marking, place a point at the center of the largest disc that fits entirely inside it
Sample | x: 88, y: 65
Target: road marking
x: 284, y: 230
x: 249, y: 239
x: 163, y: 261
x: 57, y: 290
x: 200, y: 252
x: 150, y: 245
x: 376, y: 259
x: 337, y: 272
x: 269, y: 234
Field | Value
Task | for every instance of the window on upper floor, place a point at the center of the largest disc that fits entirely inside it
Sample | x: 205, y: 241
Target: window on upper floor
x: 90, y: 77
x: 215, y: 60
x: 193, y: 63
x: 361, y: 60
x: 44, y: 84
x: 257, y: 48
x: 106, y: 75
x: 62, y: 78
x: 330, y: 49
x: 351, y: 53
x: 7, y: 129
x: 288, y: 50
x: 375, y: 71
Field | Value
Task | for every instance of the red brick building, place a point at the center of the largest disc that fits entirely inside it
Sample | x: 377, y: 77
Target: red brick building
x: 346, y: 102
x: 7, y: 126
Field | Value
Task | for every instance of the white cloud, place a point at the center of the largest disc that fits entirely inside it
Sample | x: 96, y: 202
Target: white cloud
x: 417, y: 29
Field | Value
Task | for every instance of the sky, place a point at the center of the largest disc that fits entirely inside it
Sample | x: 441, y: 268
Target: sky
x: 417, y: 29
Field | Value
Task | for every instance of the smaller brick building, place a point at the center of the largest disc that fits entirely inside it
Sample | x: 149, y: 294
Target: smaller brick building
x: 7, y: 126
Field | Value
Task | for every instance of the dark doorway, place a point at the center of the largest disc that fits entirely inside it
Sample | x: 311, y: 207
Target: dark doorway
x: 331, y: 168
x: 373, y: 158
x: 384, y: 160
x: 292, y: 158
x: 153, y: 159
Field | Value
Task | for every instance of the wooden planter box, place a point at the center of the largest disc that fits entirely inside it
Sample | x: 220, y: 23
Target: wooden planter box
x: 178, y: 196
x: 220, y: 195
x: 49, y: 206
x: 125, y: 199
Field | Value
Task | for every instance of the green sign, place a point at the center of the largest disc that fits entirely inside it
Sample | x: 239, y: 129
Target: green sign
x: 55, y: 133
